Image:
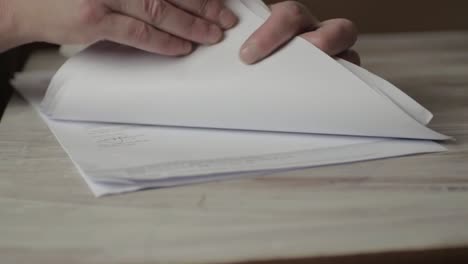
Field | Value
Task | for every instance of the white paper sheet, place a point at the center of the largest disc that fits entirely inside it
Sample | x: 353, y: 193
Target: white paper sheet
x: 114, y: 158
x: 120, y: 85
x: 300, y: 89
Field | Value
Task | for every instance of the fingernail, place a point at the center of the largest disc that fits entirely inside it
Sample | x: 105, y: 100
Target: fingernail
x: 250, y: 54
x: 227, y: 19
x: 215, y: 34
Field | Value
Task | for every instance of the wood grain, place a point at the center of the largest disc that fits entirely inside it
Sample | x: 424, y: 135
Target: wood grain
x: 415, y: 204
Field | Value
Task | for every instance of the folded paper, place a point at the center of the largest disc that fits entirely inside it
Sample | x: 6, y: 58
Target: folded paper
x: 299, y: 89
x: 146, y: 120
x: 116, y: 158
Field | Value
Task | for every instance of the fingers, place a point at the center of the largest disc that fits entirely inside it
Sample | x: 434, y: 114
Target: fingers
x: 333, y: 36
x: 135, y: 33
x: 211, y: 10
x: 166, y: 17
x: 287, y: 20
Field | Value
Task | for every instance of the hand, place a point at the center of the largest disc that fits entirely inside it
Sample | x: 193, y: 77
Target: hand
x: 290, y: 19
x: 166, y: 27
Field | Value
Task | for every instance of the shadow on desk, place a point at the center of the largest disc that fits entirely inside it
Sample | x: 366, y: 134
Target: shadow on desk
x: 5, y: 95
x: 8, y: 65
x: 10, y: 62
x: 443, y: 256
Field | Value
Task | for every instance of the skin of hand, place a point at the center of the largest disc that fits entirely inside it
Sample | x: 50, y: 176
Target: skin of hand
x: 289, y: 19
x: 168, y: 27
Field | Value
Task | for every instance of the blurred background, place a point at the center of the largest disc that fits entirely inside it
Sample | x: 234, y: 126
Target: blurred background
x: 375, y: 16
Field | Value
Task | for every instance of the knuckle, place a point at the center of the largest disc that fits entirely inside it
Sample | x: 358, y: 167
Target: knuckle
x: 209, y: 8
x: 293, y: 9
x: 155, y: 10
x: 196, y: 29
x: 166, y: 41
x: 293, y: 14
x: 169, y: 44
x: 138, y: 31
x: 90, y: 12
x: 203, y: 7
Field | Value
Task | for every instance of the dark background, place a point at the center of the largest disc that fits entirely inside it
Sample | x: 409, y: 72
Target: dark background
x: 373, y: 16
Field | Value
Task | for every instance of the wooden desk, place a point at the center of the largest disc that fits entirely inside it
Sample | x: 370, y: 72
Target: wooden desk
x: 416, y: 205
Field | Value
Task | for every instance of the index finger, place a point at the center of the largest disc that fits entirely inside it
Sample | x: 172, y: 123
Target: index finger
x: 212, y: 10
x: 164, y: 16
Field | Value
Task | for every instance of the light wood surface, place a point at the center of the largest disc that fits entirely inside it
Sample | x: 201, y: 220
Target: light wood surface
x: 48, y: 215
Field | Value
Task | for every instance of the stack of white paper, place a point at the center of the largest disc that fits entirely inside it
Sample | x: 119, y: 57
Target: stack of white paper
x: 208, y: 116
